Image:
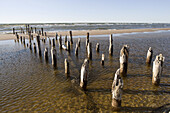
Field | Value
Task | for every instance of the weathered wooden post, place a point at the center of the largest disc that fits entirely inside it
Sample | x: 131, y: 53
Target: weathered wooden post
x: 68, y: 46
x: 21, y: 39
x: 29, y: 40
x: 149, y: 56
x: 42, y: 32
x: 71, y: 38
x: 31, y: 30
x: 35, y: 30
x: 38, y: 43
x: 117, y: 89
x: 89, y: 50
x: 38, y: 39
x: 111, y: 45
x: 157, y: 69
x: 26, y: 28
x: 39, y: 32
x: 17, y: 37
x: 44, y: 40
x: 97, y: 47
x: 87, y: 40
x: 60, y: 42
x: 84, y: 74
x: 24, y: 40
x: 66, y: 39
x: 124, y: 53
x: 32, y: 37
x: 53, y: 56
x: 67, y: 70
x: 102, y: 61
x: 30, y: 47
x: 13, y: 30
x: 53, y: 42
x: 46, y: 54
x: 34, y: 46
x: 76, y: 49
x: 79, y: 40
x: 56, y: 36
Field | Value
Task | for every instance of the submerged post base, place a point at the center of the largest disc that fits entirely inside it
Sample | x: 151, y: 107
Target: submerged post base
x: 116, y: 104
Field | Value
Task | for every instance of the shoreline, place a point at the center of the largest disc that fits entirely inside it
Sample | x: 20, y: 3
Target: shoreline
x: 84, y: 32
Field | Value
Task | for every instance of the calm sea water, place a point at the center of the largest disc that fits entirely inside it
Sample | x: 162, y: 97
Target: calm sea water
x: 29, y: 84
x: 7, y: 28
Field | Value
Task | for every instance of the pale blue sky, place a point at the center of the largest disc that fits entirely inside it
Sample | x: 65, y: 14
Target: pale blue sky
x: 22, y: 11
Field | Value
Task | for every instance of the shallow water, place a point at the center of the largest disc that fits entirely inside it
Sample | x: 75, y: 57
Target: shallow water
x: 30, y: 84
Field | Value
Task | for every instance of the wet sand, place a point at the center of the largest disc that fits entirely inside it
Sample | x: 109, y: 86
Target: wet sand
x: 84, y: 32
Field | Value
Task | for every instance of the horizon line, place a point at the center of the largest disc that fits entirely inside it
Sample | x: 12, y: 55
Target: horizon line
x: 80, y: 22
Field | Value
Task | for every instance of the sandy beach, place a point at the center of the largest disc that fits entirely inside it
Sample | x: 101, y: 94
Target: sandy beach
x: 84, y: 32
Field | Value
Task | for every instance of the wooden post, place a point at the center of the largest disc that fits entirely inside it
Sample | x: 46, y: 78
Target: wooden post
x: 60, y: 42
x: 56, y: 36
x: 42, y: 32
x: 71, y: 38
x: 53, y: 56
x: 89, y: 51
x: 21, y: 29
x: 30, y: 46
x: 53, y: 42
x: 44, y: 40
x: 46, y: 54
x: 87, y: 39
x: 29, y: 40
x: 38, y: 39
x: 97, y: 47
x: 76, y: 49
x: 67, y: 71
x: 157, y: 69
x: 24, y: 40
x: 13, y: 30
x: 117, y: 89
x: 17, y: 37
x: 124, y: 53
x: 39, y: 32
x: 84, y: 74
x: 111, y: 45
x: 32, y: 37
x: 102, y: 62
x: 31, y: 30
x: 35, y: 30
x: 38, y: 43
x: 68, y: 46
x: 21, y: 39
x: 45, y: 34
x: 79, y: 40
x: 66, y: 39
x: 149, y: 56
x: 49, y: 41
x: 28, y: 28
x: 34, y: 46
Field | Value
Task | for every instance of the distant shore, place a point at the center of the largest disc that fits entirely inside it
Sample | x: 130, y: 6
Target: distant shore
x: 84, y: 32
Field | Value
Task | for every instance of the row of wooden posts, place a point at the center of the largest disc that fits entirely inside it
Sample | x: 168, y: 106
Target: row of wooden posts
x: 117, y: 85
